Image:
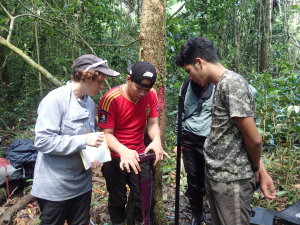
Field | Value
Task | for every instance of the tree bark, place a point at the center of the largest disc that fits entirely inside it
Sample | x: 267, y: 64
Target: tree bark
x: 31, y: 62
x: 153, y: 49
x: 266, y: 31
x: 6, y: 218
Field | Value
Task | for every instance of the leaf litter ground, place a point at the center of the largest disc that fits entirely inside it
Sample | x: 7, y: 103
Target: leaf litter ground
x: 99, y: 212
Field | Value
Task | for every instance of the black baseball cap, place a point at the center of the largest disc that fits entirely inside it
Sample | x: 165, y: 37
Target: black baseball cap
x: 140, y: 71
x: 91, y: 62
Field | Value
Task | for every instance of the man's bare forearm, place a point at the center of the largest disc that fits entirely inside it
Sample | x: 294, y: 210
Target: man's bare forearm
x: 113, y: 143
x: 252, y: 139
x: 254, y: 151
x: 153, y: 129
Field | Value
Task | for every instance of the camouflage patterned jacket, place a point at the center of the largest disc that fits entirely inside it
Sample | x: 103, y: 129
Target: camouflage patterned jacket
x: 225, y: 156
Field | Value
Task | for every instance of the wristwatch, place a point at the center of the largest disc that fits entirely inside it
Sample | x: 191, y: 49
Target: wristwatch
x: 255, y: 169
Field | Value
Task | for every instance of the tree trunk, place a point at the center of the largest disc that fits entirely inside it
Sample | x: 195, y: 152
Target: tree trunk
x: 239, y: 17
x: 266, y: 30
x: 153, y: 49
x: 37, y: 45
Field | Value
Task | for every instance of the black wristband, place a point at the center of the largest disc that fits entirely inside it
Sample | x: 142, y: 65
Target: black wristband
x: 255, y: 169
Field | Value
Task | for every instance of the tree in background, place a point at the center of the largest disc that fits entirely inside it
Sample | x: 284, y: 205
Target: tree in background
x: 266, y: 32
x: 153, y: 50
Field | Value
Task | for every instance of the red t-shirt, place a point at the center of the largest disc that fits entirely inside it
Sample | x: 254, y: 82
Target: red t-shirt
x: 128, y: 119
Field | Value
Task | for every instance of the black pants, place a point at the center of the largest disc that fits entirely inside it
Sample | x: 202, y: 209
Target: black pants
x: 76, y: 210
x: 116, y: 181
x: 194, y: 164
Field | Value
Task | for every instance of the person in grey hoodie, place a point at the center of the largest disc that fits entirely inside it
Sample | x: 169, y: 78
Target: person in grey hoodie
x: 65, y: 125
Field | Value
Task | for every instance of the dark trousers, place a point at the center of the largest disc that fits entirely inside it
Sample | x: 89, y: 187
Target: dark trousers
x: 76, y: 210
x: 116, y: 181
x: 194, y: 164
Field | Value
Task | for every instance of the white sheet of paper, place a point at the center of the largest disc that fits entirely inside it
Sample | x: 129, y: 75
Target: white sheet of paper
x: 90, y: 154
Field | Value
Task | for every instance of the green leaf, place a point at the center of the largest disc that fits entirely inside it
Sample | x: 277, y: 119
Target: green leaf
x: 3, y: 20
x: 95, y: 203
x: 295, y: 7
x: 281, y: 194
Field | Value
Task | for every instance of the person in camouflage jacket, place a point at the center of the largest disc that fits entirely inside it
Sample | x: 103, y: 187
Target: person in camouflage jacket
x: 233, y: 149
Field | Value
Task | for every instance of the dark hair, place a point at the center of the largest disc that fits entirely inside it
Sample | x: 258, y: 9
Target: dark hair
x: 81, y: 75
x: 197, y: 47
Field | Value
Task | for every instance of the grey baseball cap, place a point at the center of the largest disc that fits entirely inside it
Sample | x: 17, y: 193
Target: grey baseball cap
x: 91, y: 62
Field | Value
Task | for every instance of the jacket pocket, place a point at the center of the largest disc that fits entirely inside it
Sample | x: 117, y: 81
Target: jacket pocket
x: 71, y: 127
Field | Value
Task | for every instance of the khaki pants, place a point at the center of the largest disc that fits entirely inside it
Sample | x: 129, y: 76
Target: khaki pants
x: 230, y: 202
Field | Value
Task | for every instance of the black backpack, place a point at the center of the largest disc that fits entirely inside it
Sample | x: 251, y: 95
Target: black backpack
x: 22, y: 154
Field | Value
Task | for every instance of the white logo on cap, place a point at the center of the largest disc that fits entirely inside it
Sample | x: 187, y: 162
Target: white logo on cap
x: 148, y: 74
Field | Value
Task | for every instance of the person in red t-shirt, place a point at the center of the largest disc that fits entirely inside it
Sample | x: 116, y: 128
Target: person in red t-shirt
x: 123, y: 114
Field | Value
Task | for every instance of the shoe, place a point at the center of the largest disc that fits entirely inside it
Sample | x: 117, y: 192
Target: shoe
x: 196, y: 220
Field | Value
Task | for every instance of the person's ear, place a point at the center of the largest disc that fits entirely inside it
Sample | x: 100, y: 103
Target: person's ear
x: 199, y: 62
x: 128, y: 78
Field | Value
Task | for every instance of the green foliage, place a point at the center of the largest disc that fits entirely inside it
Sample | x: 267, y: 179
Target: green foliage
x: 278, y: 119
x: 283, y: 165
x: 278, y: 108
x: 67, y: 29
x: 235, y: 29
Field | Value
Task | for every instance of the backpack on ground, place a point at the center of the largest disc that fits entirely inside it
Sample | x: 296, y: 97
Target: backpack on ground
x: 22, y: 154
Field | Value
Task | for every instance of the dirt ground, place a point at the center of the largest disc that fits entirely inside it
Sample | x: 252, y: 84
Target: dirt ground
x: 99, y: 213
